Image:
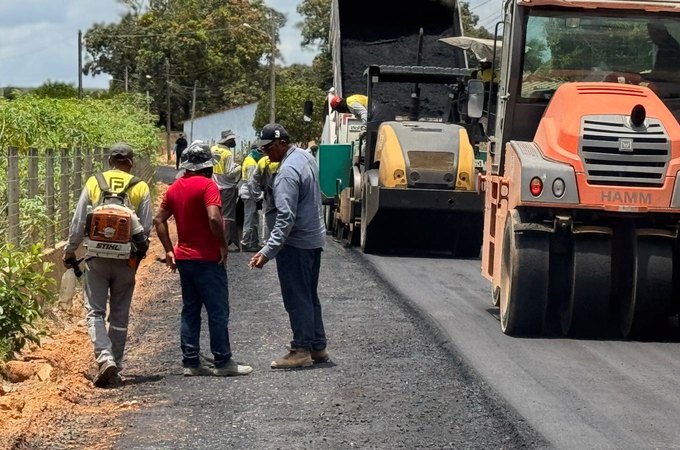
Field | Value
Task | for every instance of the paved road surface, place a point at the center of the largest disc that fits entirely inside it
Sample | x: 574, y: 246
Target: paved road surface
x: 577, y: 393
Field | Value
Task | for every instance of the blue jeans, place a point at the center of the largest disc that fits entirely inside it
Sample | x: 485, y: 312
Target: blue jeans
x: 204, y: 283
x: 298, y: 271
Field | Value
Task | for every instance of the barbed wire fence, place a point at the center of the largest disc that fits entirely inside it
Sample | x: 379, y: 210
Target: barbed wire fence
x: 43, y: 186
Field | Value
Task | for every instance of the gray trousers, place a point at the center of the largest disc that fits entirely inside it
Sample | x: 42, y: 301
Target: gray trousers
x: 109, y: 281
x: 251, y: 222
x: 229, y: 198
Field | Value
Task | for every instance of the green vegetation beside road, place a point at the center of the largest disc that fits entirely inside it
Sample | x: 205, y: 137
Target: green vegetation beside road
x: 59, y: 144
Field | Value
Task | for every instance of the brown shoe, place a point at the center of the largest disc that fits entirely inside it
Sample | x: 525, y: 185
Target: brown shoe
x: 106, y: 373
x: 320, y: 356
x: 296, y: 357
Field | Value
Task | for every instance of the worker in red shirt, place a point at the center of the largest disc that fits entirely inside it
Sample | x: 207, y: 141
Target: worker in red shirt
x: 200, y: 256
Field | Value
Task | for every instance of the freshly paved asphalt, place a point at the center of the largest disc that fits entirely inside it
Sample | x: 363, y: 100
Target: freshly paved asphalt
x: 576, y: 393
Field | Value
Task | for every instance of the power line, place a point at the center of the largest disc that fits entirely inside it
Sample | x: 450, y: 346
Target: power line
x: 481, y: 4
x: 490, y: 20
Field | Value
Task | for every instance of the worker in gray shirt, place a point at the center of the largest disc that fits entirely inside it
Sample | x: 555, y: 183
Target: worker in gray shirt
x: 296, y: 241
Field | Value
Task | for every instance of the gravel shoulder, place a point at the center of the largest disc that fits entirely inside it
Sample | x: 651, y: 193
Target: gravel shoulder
x: 390, y: 383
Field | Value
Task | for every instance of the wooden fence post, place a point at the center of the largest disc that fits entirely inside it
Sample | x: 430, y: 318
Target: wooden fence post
x: 63, y: 195
x: 49, y: 197
x: 13, y: 192
x: 77, y: 173
x: 102, y: 159
x: 87, y: 163
x: 32, y: 172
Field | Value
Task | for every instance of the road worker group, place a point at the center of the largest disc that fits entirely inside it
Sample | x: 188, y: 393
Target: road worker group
x: 203, y: 200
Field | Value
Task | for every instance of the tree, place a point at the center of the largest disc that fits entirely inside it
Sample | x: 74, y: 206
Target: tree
x: 297, y: 74
x: 191, y: 40
x: 55, y: 89
x: 290, y: 99
x: 315, y: 29
x: 470, y: 23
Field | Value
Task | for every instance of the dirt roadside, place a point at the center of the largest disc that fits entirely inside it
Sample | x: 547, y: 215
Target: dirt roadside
x: 53, y: 383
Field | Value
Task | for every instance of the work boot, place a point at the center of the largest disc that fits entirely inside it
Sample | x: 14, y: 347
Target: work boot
x: 200, y: 371
x: 107, y: 372
x: 232, y: 369
x: 320, y: 356
x: 296, y: 357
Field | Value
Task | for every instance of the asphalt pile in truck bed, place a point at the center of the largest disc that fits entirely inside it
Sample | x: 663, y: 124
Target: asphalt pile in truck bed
x: 388, y: 35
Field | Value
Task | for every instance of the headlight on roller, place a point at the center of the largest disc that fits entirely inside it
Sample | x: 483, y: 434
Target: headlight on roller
x: 558, y: 187
x: 398, y: 174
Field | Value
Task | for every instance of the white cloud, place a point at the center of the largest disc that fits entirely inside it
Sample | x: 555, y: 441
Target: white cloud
x: 39, y: 38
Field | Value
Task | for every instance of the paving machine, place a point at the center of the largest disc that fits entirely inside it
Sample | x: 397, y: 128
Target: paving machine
x: 410, y: 177
x: 582, y: 196
x: 412, y: 185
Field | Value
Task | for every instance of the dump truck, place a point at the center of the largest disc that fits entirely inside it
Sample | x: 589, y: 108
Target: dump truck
x: 404, y: 181
x: 581, y: 188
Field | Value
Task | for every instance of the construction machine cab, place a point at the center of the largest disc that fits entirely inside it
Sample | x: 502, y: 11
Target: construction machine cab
x: 449, y: 97
x: 628, y: 43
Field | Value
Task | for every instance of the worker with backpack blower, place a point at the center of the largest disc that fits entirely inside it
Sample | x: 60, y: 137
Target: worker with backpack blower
x: 113, y: 220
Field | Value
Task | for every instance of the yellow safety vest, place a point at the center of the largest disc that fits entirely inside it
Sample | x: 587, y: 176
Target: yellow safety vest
x: 247, y: 168
x: 117, y: 181
x: 357, y: 98
x: 224, y: 155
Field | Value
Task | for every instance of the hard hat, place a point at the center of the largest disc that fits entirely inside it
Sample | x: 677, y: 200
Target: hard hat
x: 335, y: 101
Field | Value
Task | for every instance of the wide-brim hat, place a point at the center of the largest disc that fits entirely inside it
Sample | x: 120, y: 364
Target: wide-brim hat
x: 226, y: 136
x: 198, y: 156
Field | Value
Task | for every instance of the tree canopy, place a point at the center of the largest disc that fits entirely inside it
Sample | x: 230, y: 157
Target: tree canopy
x: 315, y: 29
x: 290, y: 99
x: 55, y: 89
x: 168, y: 46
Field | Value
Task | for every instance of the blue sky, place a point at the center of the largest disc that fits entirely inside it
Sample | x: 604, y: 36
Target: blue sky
x: 39, y: 38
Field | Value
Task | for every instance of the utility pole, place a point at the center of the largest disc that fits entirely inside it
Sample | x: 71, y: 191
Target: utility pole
x: 193, y: 112
x: 272, y: 72
x: 167, y: 108
x: 80, y: 64
x: 126, y: 79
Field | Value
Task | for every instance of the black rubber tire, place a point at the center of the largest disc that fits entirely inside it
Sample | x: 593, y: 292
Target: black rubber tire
x: 586, y: 312
x: 524, y: 280
x: 651, y: 298
x: 367, y: 237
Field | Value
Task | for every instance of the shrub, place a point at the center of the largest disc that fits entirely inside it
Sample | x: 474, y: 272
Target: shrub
x: 25, y: 291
